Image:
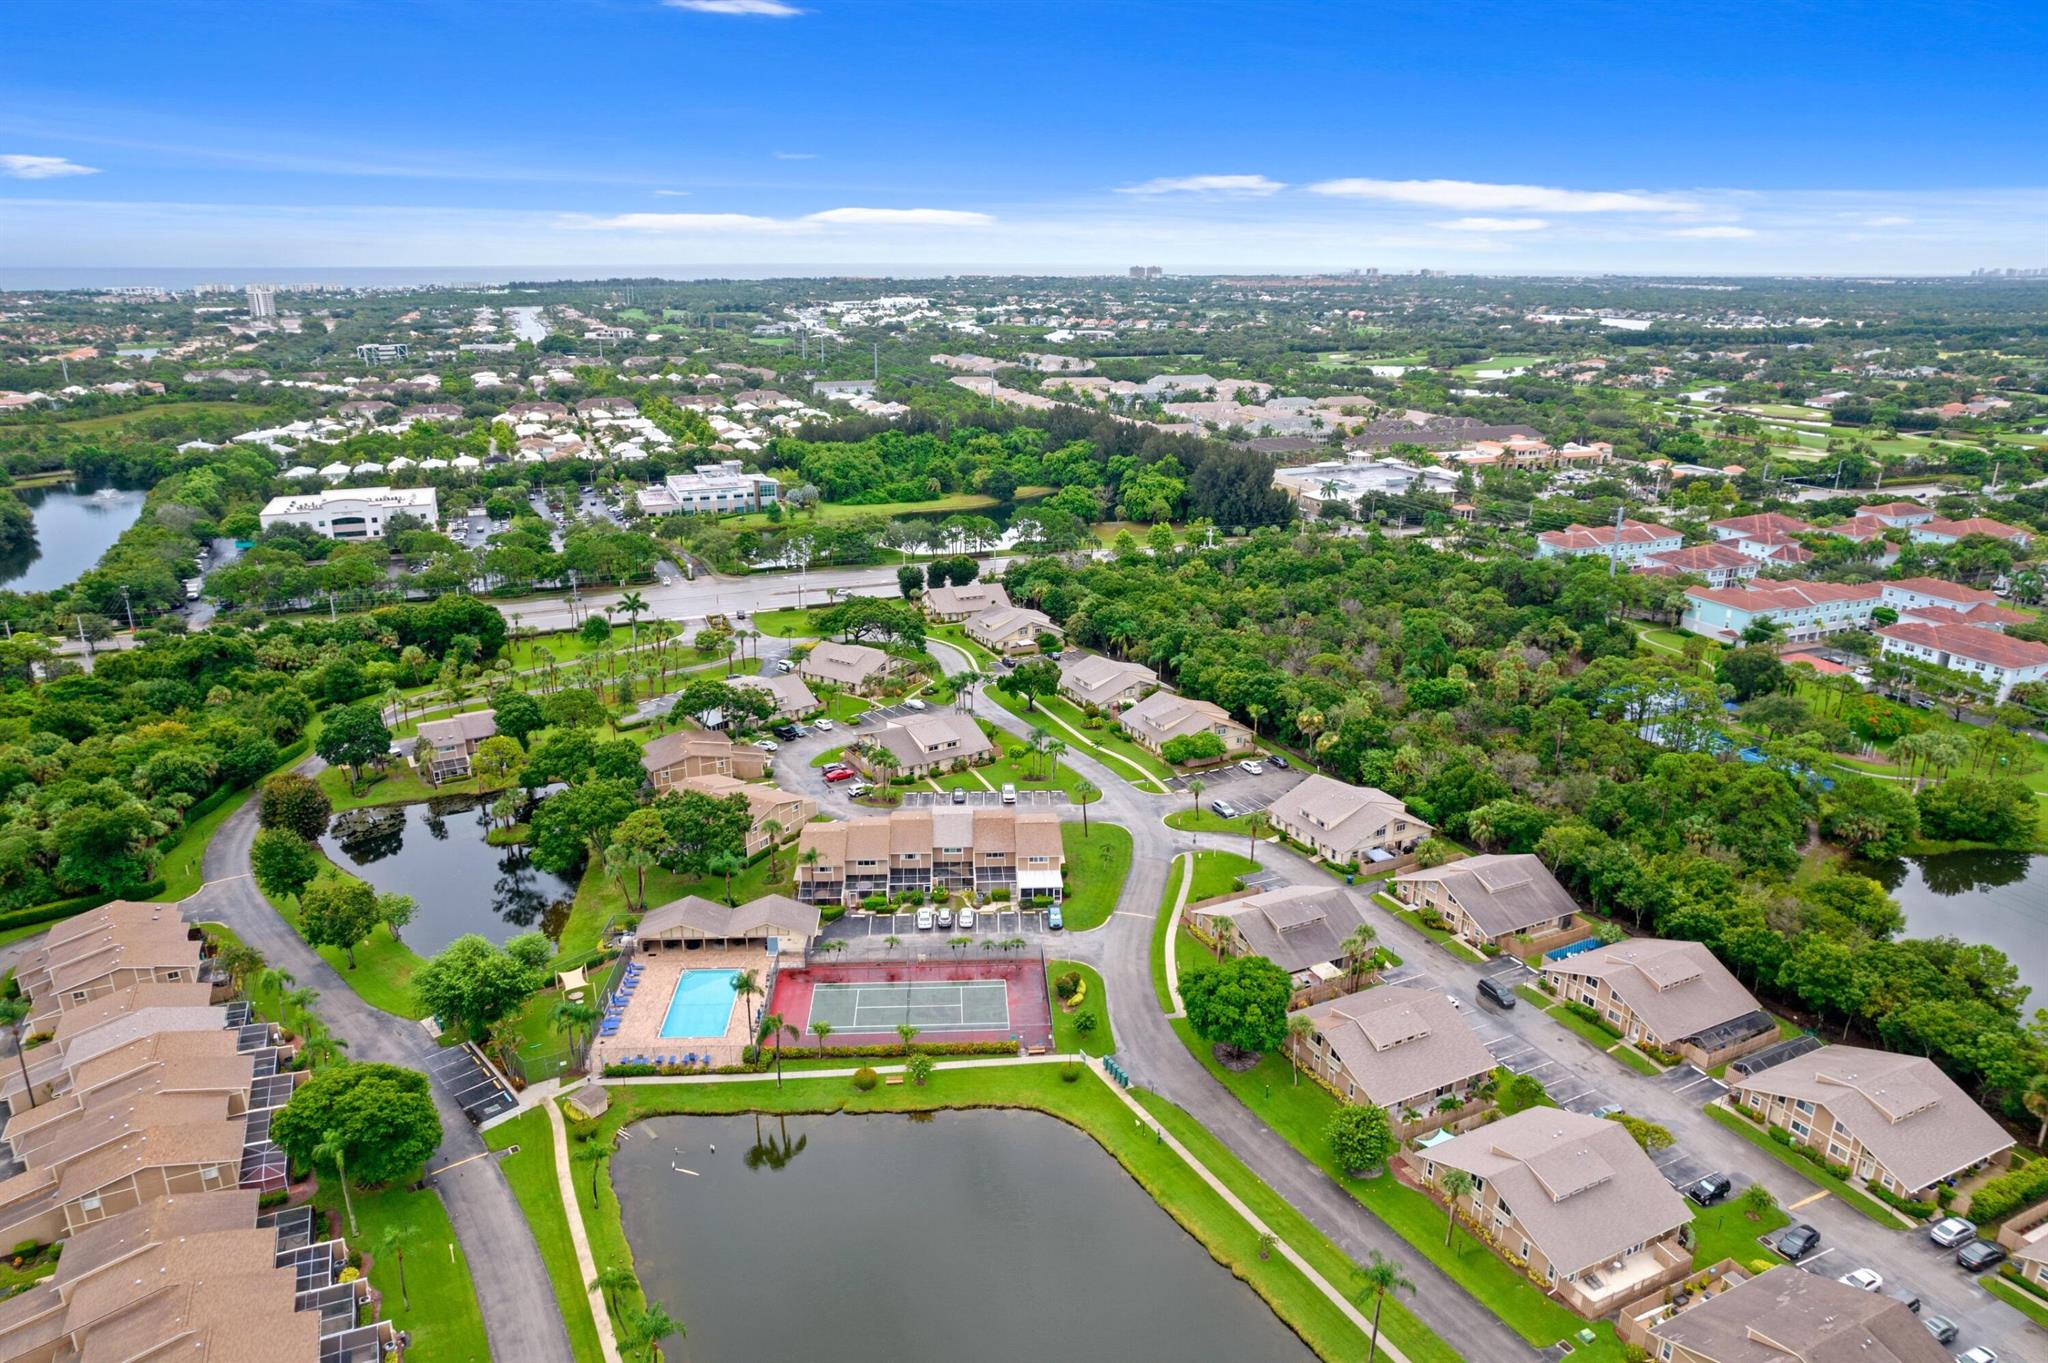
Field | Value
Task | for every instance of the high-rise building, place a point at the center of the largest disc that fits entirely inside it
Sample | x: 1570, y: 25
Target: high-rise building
x: 1145, y: 271
x: 262, y: 300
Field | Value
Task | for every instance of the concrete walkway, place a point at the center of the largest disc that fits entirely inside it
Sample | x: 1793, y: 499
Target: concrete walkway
x: 1231, y: 1200
x: 1187, y: 882
x: 586, y: 1263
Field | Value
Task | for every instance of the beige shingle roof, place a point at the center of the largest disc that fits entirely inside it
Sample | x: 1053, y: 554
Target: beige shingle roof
x: 1790, y: 1316
x: 1397, y: 1043
x: 1501, y: 893
x: 1678, y: 989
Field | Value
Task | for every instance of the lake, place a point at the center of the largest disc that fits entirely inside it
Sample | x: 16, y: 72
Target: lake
x: 73, y: 528
x: 1002, y: 1237
x: 1998, y: 898
x: 436, y: 853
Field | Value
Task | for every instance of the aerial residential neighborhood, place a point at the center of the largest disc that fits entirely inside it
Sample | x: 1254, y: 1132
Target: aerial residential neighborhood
x: 741, y: 717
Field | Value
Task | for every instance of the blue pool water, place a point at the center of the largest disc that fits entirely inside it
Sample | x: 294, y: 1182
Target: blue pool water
x: 701, y: 1005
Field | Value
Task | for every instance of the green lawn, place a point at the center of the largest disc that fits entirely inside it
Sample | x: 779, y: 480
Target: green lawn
x: 1301, y: 1112
x: 1217, y: 873
x: 1029, y: 772
x: 842, y: 707
x: 400, y: 785
x: 1175, y: 874
x: 1806, y: 1168
x: 1724, y: 1231
x: 951, y: 504
x: 531, y: 1173
x: 97, y: 424
x: 1066, y: 1037
x: 1106, y: 737
x: 1097, y: 867
x: 1087, y: 1104
x: 444, y: 1320
x: 1207, y: 820
x: 2033, y: 1307
x: 384, y: 965
x: 787, y: 623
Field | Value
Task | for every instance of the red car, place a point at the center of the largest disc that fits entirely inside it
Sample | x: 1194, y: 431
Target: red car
x: 839, y: 773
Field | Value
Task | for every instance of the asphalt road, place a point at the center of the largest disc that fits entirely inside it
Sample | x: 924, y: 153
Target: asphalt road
x: 512, y: 1285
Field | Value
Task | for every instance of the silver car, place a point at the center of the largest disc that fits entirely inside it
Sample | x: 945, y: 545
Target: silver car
x: 1952, y: 1231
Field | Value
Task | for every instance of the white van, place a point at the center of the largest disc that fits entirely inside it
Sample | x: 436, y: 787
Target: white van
x: 1009, y: 793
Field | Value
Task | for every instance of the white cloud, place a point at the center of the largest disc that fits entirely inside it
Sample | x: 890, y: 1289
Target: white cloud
x: 902, y: 217
x: 671, y: 193
x: 1496, y: 224
x: 1887, y: 220
x: 673, y: 222
x: 1472, y: 196
x: 1716, y: 232
x: 21, y: 167
x: 746, y: 9
x: 796, y: 156
x: 1257, y: 186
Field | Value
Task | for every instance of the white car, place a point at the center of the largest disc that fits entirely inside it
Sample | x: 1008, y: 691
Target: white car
x: 767, y: 745
x: 1980, y: 1354
x: 856, y: 790
x: 1863, y: 1279
x: 924, y: 920
x: 823, y: 725
x: 1251, y: 768
x: 966, y: 920
x: 913, y: 704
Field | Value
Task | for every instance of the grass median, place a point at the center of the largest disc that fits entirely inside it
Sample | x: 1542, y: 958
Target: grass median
x: 531, y: 1172
x: 1098, y: 864
x: 1067, y: 1036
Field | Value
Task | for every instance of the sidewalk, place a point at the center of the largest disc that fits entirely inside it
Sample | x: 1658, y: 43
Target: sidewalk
x: 586, y: 1264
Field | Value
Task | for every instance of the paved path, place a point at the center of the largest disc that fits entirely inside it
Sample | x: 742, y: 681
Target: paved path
x: 1186, y: 862
x: 586, y: 1263
x: 512, y: 1286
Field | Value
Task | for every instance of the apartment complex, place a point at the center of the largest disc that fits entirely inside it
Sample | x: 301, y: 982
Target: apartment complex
x: 948, y: 604
x: 1105, y: 682
x: 1893, y: 1120
x: 1786, y: 1315
x: 1403, y: 1049
x: 944, y: 848
x: 1490, y: 900
x: 1572, y: 1199
x: 1345, y: 823
x: 853, y: 667
x: 1300, y: 928
x: 357, y: 513
x: 1672, y: 996
x: 1161, y: 717
x: 927, y: 743
x: 1989, y: 655
x: 1801, y: 610
x: 1626, y: 543
x: 1010, y: 629
x: 454, y: 741
x: 686, y: 753
x: 792, y: 696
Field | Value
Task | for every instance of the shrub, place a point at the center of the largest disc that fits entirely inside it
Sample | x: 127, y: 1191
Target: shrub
x: 919, y: 1068
x: 1084, y: 1024
x: 1359, y: 1138
x: 865, y: 1078
x: 2009, y: 1192
x: 831, y: 913
x: 1067, y: 985
x: 1070, y: 1071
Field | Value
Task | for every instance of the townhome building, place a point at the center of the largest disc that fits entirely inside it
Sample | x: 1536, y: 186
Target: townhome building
x: 1011, y: 630
x: 1941, y: 530
x: 1161, y: 717
x: 455, y: 741
x: 1895, y: 1121
x: 1720, y: 564
x: 1801, y: 610
x: 1396, y: 1047
x: 1105, y: 683
x: 1628, y: 543
x: 1571, y: 1199
x: 858, y: 668
x: 773, y: 813
x: 1492, y: 900
x: 940, y: 849
x: 1913, y: 593
x: 928, y: 743
x: 1784, y: 1315
x: 1769, y: 524
x: 686, y: 753
x: 1303, y: 929
x: 1895, y: 515
x: 792, y: 695
x: 1669, y: 996
x: 955, y: 603
x: 1998, y: 660
x: 1360, y: 825
x: 105, y: 951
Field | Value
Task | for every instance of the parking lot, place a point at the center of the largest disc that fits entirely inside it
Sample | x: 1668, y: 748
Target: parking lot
x: 983, y: 799
x: 1238, y: 788
x: 995, y: 921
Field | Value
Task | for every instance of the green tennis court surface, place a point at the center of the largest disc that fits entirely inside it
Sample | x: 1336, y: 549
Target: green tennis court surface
x: 938, y: 1006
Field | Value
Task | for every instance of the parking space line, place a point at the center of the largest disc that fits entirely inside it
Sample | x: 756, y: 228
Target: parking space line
x: 1805, y: 1201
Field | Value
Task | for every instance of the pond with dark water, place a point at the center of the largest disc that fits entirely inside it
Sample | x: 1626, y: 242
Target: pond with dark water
x: 436, y: 853
x: 74, y: 526
x: 1001, y: 1237
x: 1998, y: 898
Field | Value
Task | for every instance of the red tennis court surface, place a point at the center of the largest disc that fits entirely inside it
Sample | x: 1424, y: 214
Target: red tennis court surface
x: 944, y: 1000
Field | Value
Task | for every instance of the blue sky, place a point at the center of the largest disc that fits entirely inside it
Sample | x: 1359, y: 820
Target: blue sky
x: 1282, y: 135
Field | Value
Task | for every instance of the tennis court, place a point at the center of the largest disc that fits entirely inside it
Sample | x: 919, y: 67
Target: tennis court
x: 932, y: 1006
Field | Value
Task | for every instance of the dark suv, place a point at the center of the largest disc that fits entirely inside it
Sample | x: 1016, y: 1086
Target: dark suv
x: 1494, y: 991
x: 1710, y: 1189
x: 1798, y: 1242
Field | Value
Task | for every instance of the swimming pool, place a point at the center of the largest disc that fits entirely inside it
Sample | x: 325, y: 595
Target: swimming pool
x: 701, y: 1006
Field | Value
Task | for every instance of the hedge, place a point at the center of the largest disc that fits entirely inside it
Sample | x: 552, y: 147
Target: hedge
x: 766, y: 1062
x: 2009, y: 1192
x: 66, y: 908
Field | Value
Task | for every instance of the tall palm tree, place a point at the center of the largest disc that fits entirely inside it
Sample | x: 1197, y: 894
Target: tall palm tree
x: 747, y: 984
x: 773, y: 1025
x: 393, y: 1241
x: 1354, y: 946
x: 728, y: 865
x: 612, y: 1281
x: 331, y: 1148
x: 302, y: 1000
x: 12, y: 1011
x: 1300, y: 1026
x: 821, y: 1029
x: 1254, y: 826
x: 632, y: 605
x: 1195, y: 789
x: 570, y: 1016
x: 1456, y: 1183
x: 1381, y: 1276
x: 651, y: 1324
x: 594, y: 1154
x: 771, y: 829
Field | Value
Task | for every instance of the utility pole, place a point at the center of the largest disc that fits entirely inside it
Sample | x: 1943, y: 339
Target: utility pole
x: 125, y: 605
x: 83, y: 642
x: 1614, y: 549
x: 330, y: 605
x: 878, y: 361
x: 574, y: 599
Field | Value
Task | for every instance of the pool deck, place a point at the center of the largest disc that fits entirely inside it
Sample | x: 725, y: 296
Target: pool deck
x: 640, y: 1028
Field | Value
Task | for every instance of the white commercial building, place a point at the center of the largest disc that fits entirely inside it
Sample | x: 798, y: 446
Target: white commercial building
x: 262, y: 300
x: 352, y: 513
x: 387, y: 353
x: 720, y: 487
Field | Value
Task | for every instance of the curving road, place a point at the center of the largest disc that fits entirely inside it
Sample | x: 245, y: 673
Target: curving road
x: 512, y: 1285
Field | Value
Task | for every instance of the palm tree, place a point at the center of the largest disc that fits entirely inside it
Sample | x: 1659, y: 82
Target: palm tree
x: 1084, y: 791
x: 393, y: 1241
x: 747, y: 984
x: 908, y: 1033
x: 1355, y: 945
x: 773, y: 1025
x: 1456, y: 1183
x: 1053, y: 748
x: 331, y: 1148
x: 728, y: 865
x: 1254, y: 826
x: 301, y: 999
x: 821, y: 1029
x: 1195, y: 789
x: 1381, y: 1276
x: 12, y: 1011
x: 632, y: 605
x: 594, y: 1154
x: 809, y: 857
x: 570, y: 1016
x: 273, y: 979
x: 612, y: 1281
x: 651, y: 1324
x: 1300, y: 1026
x: 892, y: 941
x: 771, y: 829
